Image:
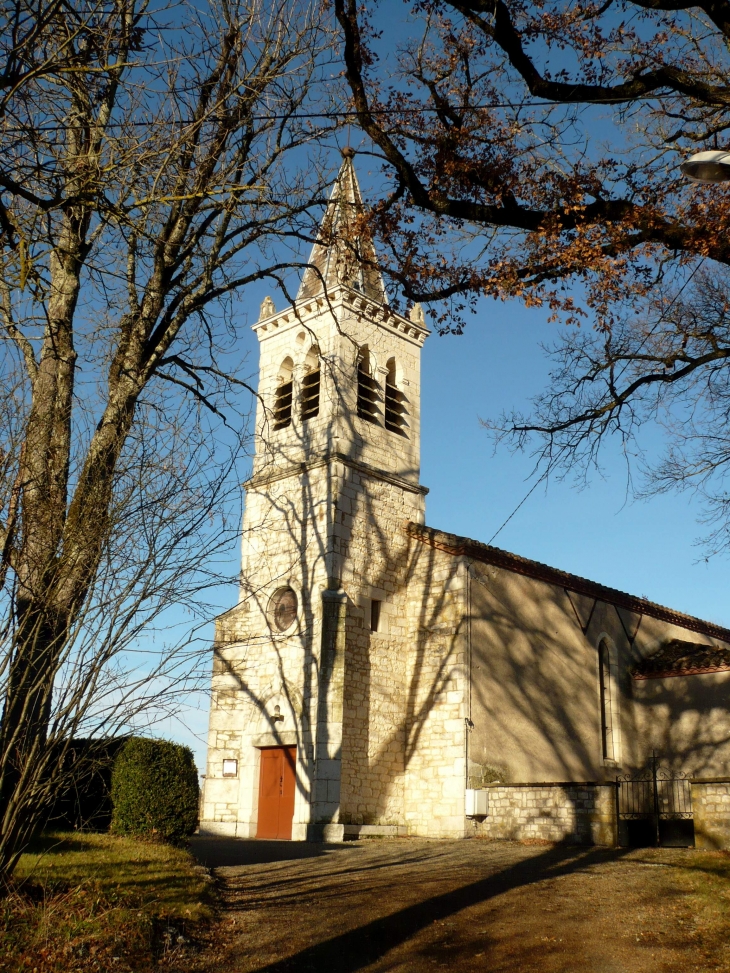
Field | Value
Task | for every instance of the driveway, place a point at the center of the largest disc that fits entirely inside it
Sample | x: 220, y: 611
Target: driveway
x: 411, y: 905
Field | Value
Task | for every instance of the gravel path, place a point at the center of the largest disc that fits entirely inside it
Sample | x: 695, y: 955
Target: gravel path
x: 411, y: 905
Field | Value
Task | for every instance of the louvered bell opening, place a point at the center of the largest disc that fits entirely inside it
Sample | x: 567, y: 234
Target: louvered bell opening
x: 282, y: 409
x: 367, y: 396
x: 310, y: 395
x: 395, y: 411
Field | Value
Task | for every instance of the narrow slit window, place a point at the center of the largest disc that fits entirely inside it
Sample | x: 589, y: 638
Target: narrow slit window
x: 374, y: 615
x: 367, y: 389
x: 284, y: 389
x: 309, y: 403
x: 604, y: 664
x: 395, y: 410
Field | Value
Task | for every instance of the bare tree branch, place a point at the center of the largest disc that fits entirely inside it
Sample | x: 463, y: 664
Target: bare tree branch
x: 170, y: 170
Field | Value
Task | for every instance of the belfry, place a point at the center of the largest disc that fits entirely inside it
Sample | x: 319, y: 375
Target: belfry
x: 380, y: 677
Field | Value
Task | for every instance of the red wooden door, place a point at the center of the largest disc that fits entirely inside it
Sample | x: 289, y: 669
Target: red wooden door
x: 276, y: 792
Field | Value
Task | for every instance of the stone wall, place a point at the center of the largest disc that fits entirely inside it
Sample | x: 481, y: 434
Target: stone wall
x: 586, y: 813
x: 403, y: 760
x: 435, y: 756
x: 373, y: 729
x: 373, y: 550
x: 711, y: 808
x: 256, y: 670
x: 576, y: 813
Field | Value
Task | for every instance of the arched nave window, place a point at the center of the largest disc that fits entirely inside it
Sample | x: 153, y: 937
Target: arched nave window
x: 609, y: 714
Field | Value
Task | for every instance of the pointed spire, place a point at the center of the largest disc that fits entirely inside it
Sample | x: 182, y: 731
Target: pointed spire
x: 344, y: 251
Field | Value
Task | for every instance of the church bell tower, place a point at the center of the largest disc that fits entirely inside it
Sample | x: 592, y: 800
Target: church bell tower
x: 308, y: 664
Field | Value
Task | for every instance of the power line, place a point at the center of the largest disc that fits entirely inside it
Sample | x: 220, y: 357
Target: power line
x: 350, y: 113
x: 526, y: 497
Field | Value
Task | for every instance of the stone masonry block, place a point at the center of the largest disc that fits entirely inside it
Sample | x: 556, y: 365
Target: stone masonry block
x: 328, y: 769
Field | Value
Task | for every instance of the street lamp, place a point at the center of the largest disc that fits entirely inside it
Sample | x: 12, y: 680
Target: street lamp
x: 710, y: 166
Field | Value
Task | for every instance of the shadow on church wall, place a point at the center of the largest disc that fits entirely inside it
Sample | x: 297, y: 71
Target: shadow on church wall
x: 534, y: 706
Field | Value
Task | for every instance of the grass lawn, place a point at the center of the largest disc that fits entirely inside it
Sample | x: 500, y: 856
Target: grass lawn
x: 83, y: 902
x: 706, y: 877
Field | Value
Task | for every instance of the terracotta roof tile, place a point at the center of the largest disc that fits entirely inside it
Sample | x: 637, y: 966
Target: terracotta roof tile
x: 679, y: 658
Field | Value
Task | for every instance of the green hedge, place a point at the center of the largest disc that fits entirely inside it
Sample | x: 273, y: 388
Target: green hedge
x: 154, y: 790
x: 83, y: 801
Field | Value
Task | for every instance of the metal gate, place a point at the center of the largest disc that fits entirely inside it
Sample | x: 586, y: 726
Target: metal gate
x: 654, y: 807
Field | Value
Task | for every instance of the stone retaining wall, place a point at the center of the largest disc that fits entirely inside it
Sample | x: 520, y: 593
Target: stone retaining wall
x: 711, y: 808
x: 576, y: 813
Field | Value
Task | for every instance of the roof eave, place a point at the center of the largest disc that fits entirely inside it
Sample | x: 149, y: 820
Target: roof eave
x: 456, y: 545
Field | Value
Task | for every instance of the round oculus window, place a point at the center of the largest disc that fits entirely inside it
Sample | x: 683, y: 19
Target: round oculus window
x: 283, y: 609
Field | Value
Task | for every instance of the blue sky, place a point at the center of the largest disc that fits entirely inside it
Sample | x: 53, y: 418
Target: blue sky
x: 644, y: 547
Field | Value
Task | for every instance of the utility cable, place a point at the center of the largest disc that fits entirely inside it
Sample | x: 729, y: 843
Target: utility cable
x: 526, y: 497
x: 345, y: 113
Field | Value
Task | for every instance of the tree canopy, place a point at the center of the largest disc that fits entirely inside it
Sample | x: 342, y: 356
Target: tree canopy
x: 533, y: 150
x: 555, y: 128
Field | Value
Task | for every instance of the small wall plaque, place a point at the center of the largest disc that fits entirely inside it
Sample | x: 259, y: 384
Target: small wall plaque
x: 230, y: 768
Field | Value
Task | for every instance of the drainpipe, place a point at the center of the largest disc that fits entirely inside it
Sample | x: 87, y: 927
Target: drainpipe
x: 468, y: 724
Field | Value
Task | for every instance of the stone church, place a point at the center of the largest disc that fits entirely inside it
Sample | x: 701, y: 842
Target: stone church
x: 382, y: 677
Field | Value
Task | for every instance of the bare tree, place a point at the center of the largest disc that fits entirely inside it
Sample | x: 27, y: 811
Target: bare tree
x: 666, y: 364
x: 155, y: 161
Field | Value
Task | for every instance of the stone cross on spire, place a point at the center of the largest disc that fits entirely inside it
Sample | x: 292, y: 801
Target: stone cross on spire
x: 344, y: 251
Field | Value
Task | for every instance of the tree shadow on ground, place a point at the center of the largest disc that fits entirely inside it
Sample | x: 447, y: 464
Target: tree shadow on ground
x: 357, y: 948
x: 223, y: 852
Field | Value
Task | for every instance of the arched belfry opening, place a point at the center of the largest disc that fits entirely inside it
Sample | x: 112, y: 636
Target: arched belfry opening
x: 395, y: 410
x: 284, y: 389
x: 367, y: 387
x: 309, y: 401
